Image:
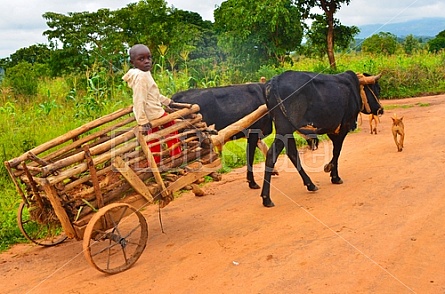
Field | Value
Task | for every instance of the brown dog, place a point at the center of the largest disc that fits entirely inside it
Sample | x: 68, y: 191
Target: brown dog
x: 398, y: 130
x: 376, y: 120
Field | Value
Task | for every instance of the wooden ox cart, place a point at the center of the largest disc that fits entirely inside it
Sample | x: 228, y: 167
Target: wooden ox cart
x: 91, y: 183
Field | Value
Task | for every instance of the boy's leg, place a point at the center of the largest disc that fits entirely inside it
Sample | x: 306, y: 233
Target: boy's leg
x: 156, y: 148
x: 176, y: 150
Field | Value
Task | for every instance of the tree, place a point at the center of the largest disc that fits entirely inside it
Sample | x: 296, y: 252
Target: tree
x: 254, y: 33
x: 93, y: 35
x: 410, y: 44
x: 343, y: 36
x: 381, y: 43
x: 437, y: 43
x: 330, y: 7
x: 103, y: 37
x: 38, y: 53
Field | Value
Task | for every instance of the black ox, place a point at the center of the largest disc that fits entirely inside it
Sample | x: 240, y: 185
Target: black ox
x: 222, y: 106
x: 312, y: 104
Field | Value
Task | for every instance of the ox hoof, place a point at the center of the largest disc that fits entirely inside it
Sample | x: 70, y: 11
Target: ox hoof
x: 267, y: 202
x: 253, y: 185
x: 312, y: 187
x: 328, y: 167
x: 336, y: 181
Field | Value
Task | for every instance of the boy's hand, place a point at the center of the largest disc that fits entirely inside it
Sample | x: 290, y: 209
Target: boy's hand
x: 146, y: 127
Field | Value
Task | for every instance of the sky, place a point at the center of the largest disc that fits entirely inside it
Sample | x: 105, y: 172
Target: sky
x: 22, y: 24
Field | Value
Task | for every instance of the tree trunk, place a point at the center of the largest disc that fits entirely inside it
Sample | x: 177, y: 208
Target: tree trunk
x: 330, y: 39
x: 329, y: 7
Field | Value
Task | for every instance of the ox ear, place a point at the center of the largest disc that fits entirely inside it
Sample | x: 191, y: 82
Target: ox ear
x: 364, y: 80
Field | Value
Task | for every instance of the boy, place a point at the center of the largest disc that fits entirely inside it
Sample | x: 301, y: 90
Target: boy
x: 147, y: 100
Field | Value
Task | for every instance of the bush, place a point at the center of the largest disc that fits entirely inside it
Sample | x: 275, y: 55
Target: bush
x: 22, y: 79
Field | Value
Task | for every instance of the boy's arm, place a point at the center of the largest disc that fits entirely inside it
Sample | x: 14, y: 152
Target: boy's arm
x: 139, y: 94
x: 164, y: 100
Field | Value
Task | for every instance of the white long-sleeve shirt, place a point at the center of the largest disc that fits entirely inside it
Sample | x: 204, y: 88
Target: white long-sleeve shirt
x: 147, y: 100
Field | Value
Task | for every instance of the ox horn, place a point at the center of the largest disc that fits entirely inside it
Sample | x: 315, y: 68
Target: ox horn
x: 364, y: 80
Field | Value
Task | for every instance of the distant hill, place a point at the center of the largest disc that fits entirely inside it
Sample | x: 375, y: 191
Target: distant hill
x: 429, y: 27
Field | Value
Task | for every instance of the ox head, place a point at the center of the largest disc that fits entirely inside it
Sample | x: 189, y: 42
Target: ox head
x: 370, y: 92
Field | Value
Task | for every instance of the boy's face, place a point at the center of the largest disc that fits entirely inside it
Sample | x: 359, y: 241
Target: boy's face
x: 140, y: 57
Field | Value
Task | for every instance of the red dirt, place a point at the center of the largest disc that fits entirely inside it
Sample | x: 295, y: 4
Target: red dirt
x: 382, y: 231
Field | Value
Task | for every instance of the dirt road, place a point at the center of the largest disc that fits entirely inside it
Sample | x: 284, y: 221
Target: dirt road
x: 382, y: 231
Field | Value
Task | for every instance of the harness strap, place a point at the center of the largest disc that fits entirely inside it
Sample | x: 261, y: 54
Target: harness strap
x: 365, y: 104
x: 280, y: 103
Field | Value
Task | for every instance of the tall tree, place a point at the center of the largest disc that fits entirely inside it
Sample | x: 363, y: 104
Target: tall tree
x: 257, y: 32
x: 343, y: 36
x: 330, y: 7
x: 94, y: 35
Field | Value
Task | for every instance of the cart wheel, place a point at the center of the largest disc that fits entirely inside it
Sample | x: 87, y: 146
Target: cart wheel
x: 115, y: 238
x: 43, y: 233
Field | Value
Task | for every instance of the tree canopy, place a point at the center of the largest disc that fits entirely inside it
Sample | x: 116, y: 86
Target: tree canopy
x: 438, y: 43
x: 383, y: 42
x: 258, y: 32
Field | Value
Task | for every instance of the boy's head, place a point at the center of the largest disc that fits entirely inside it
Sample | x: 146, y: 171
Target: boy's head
x: 140, y: 57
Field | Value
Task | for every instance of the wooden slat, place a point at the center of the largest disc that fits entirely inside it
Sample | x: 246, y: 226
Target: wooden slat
x: 94, y: 179
x: 151, y: 161
x: 71, y: 134
x: 33, y: 185
x: 192, y: 176
x: 17, y: 186
x: 132, y: 178
x: 51, y: 193
x: 103, y: 157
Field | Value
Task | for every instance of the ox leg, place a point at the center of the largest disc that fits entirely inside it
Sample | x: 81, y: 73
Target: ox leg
x: 263, y: 148
x: 251, y: 145
x: 271, y: 159
x: 332, y: 166
x: 292, y: 153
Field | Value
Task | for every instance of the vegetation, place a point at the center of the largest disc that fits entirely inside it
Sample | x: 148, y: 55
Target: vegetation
x: 77, y: 78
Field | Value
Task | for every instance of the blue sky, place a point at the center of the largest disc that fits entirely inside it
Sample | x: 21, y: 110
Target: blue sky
x: 22, y: 25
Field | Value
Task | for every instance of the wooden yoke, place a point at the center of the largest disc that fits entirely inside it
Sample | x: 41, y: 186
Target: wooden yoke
x: 366, y: 80
x: 225, y: 134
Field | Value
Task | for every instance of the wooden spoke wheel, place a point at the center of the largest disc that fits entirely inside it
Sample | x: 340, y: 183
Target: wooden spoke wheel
x: 39, y: 225
x: 115, y: 238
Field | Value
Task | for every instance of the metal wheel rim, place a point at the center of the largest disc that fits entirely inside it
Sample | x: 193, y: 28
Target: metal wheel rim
x: 48, y: 230
x: 119, y: 242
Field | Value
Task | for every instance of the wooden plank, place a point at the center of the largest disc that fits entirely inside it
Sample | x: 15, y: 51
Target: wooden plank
x: 174, y: 115
x: 102, y: 151
x: 51, y: 193
x: 71, y: 134
x: 132, y: 178
x: 91, y: 137
x: 191, y: 177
